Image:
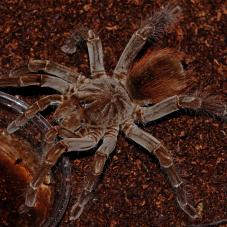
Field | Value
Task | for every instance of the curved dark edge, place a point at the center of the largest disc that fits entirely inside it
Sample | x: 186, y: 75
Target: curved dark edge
x: 211, y: 224
x: 20, y: 106
x: 61, y: 208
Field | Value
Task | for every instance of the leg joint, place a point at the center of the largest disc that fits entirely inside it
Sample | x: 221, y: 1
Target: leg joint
x: 163, y: 156
x: 191, y: 102
x: 225, y: 110
x: 140, y: 36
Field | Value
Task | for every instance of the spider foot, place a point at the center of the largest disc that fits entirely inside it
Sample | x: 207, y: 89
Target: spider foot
x: 215, y: 105
x: 12, y: 127
x: 30, y: 197
x: 79, y: 206
x: 76, y: 211
x: 189, y: 210
x: 17, y: 123
x: 23, y: 209
x: 75, y: 40
x: 184, y: 204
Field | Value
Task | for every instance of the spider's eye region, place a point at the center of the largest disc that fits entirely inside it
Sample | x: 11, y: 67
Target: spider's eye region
x: 83, y: 104
x: 113, y: 86
x: 58, y: 121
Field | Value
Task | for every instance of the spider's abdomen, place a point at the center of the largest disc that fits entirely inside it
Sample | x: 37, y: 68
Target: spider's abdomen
x: 157, y: 75
x: 105, y: 102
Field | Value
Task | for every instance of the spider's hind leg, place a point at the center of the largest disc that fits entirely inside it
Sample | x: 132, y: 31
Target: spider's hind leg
x: 210, y: 104
x: 153, y: 145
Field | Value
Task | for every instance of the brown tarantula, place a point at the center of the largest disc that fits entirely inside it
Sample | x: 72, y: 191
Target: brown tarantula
x: 97, y: 108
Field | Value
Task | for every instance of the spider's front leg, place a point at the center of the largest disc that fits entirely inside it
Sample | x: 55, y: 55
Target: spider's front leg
x: 153, y: 27
x: 32, y: 110
x: 65, y: 145
x: 211, y: 104
x: 101, y: 155
x: 153, y: 145
x: 68, y: 74
x: 30, y: 79
x: 59, y: 79
x: 95, y: 50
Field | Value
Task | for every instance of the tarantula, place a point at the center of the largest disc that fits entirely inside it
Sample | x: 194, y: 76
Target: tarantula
x: 97, y: 108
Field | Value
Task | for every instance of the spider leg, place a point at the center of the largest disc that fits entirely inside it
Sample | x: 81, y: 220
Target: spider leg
x: 68, y: 74
x: 51, y: 135
x: 153, y: 145
x: 65, y: 145
x: 94, y: 46
x: 32, y: 110
x: 38, y: 178
x: 210, y: 104
x: 50, y: 138
x: 106, y: 148
x: 20, y: 71
x: 95, y: 52
x: 41, y: 80
x: 153, y: 27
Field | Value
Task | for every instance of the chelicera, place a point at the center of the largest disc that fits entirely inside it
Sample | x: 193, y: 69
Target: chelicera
x: 96, y: 109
